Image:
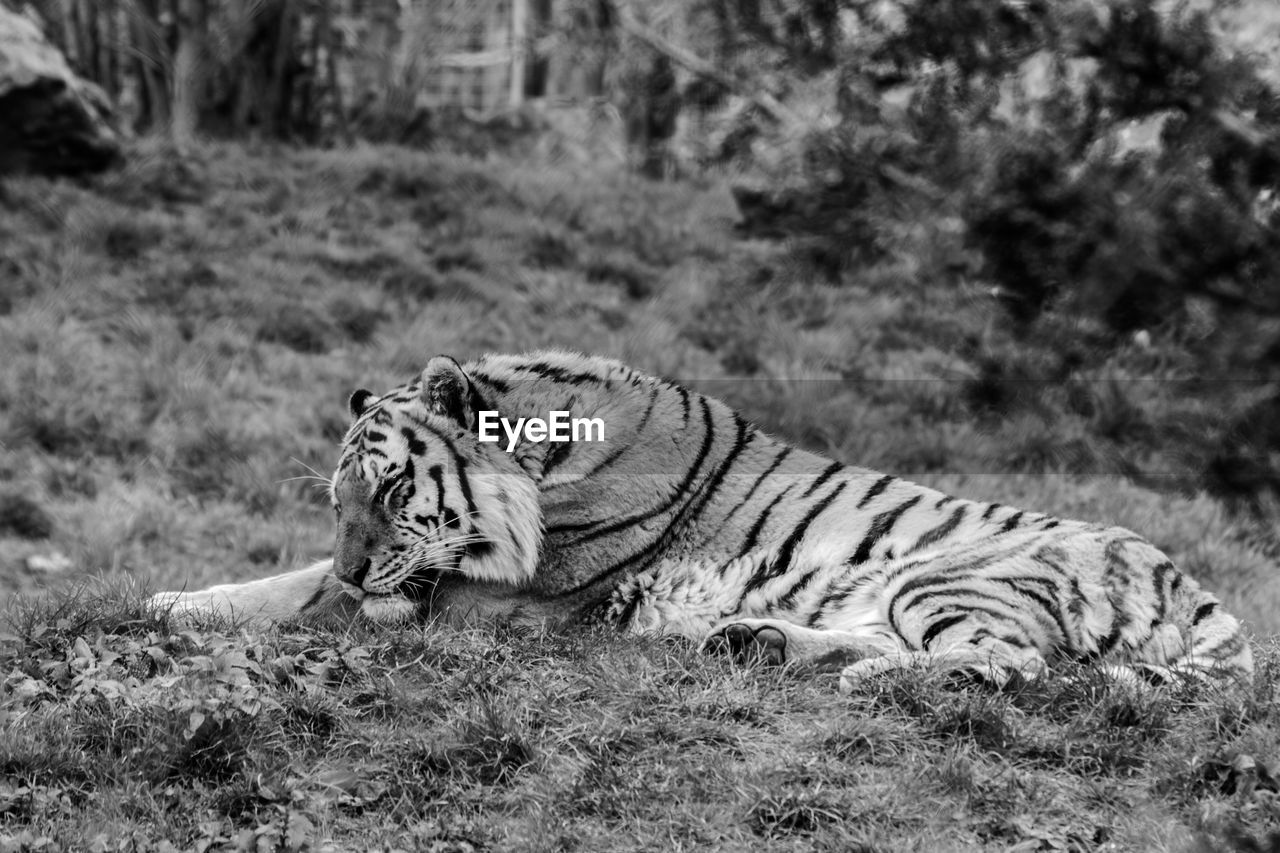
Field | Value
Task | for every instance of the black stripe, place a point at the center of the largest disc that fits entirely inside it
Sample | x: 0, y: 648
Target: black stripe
x: 707, y: 491
x: 557, y: 373
x: 437, y: 475
x: 1046, y: 557
x: 559, y: 452
x: 478, y: 402
x: 880, y: 526
x: 876, y: 488
x: 681, y: 490
x: 986, y: 516
x: 704, y: 494
x: 1203, y: 612
x: 984, y: 557
x: 1011, y: 522
x: 1050, y: 603
x: 460, y: 464
x: 926, y: 582
x: 941, y: 531
x: 684, y: 402
x: 1158, y: 574
x: 513, y: 539
x: 1052, y: 524
x: 1016, y: 642
x: 788, y: 598
x: 629, y: 609
x: 684, y: 488
x: 969, y: 610
x: 943, y: 501
x: 613, y: 456
x: 313, y: 600
x: 1231, y: 645
x: 836, y: 596
x: 1113, y: 637
x: 779, y: 564
x: 756, y: 485
x: 939, y: 626
x: 753, y: 535
x: 417, y: 447
x: 393, y: 479
x: 499, y: 385
x: 822, y: 478
x: 1078, y: 603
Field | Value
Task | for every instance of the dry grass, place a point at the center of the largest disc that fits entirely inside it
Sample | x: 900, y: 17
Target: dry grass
x: 176, y: 346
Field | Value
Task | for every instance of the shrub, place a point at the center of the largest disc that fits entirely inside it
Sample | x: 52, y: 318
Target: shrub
x: 22, y: 517
x: 1109, y: 163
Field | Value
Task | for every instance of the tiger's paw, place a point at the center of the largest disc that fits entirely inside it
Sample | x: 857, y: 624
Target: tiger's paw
x: 748, y: 641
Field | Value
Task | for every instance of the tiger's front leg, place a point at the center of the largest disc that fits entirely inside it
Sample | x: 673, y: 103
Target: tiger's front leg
x: 307, y: 593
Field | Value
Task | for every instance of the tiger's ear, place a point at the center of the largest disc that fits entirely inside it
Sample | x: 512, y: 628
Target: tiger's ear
x: 446, y: 390
x: 358, y: 402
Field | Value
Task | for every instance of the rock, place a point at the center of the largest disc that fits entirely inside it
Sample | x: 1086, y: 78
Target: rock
x: 55, y: 123
x: 49, y: 564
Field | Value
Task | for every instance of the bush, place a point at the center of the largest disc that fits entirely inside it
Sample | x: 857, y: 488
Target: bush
x: 22, y: 517
x: 1111, y: 168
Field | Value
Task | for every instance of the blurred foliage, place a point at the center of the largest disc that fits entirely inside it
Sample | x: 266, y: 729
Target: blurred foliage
x: 1111, y: 163
x: 1110, y: 159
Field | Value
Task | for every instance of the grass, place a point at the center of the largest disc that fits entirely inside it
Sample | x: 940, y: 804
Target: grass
x: 177, y: 343
x: 531, y: 741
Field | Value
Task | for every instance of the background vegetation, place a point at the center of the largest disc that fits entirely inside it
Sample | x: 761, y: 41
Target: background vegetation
x: 177, y: 341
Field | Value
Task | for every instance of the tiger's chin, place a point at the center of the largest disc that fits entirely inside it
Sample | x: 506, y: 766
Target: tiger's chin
x: 388, y: 609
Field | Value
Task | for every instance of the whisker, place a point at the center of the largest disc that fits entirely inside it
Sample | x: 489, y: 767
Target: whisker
x: 313, y: 471
x: 324, y: 481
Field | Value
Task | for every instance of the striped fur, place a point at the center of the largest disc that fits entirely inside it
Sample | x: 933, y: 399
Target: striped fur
x: 689, y: 520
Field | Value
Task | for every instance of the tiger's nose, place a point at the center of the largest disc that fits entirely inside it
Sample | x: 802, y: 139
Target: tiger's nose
x: 357, y: 577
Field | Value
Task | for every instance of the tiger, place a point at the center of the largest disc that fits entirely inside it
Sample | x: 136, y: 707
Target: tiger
x: 688, y: 520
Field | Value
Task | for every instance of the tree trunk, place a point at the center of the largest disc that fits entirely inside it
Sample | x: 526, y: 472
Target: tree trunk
x: 91, y: 39
x: 186, y: 73
x: 335, y: 84
x: 70, y: 45
x: 152, y: 61
x: 111, y: 35
x: 538, y: 64
x: 519, y: 41
x: 280, y: 97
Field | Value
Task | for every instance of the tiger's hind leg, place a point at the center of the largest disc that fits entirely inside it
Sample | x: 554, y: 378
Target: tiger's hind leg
x: 859, y: 655
x: 776, y: 641
x: 992, y: 661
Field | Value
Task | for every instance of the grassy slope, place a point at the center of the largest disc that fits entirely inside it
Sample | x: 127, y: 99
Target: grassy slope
x: 175, y: 350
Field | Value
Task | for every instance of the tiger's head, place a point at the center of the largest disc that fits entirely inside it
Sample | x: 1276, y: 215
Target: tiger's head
x: 418, y: 495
